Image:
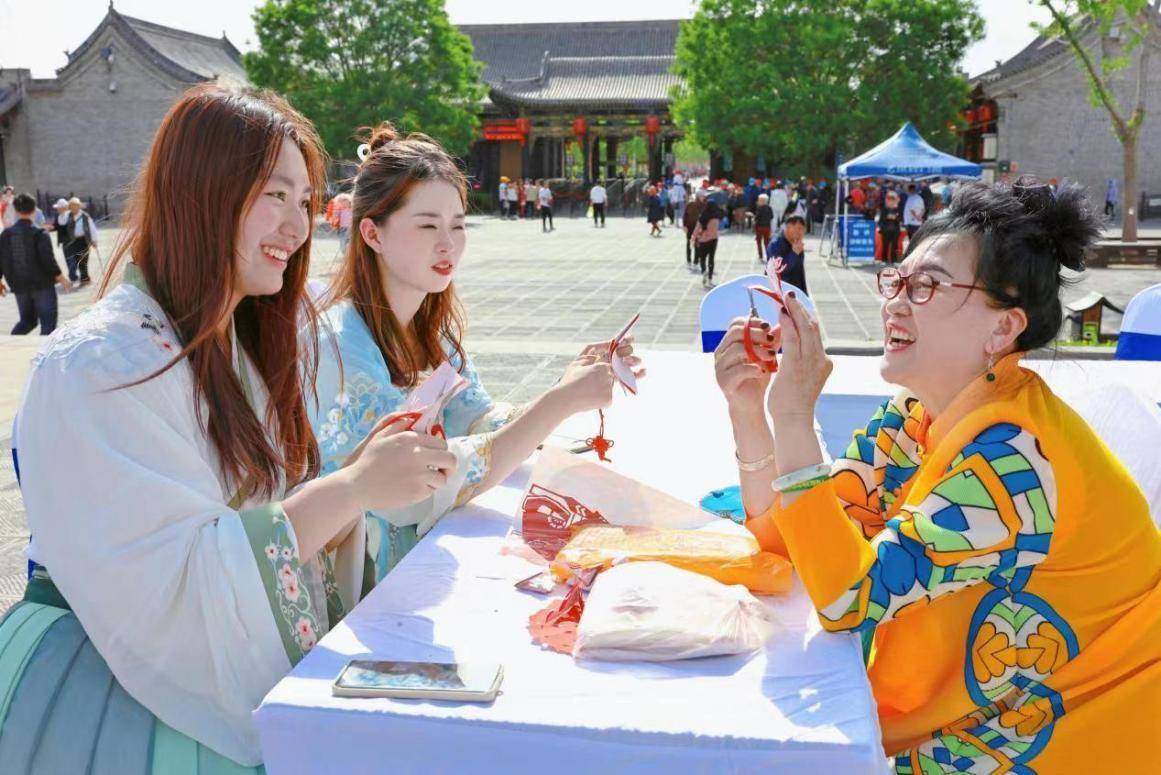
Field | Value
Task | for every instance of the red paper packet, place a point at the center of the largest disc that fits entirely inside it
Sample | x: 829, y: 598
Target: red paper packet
x: 549, y: 520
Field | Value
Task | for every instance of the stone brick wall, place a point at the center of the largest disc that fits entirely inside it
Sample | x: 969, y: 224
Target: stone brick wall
x: 1048, y: 126
x: 87, y: 138
x: 16, y: 139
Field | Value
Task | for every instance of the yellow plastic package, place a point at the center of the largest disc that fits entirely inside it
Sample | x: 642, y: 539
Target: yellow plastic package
x: 731, y: 558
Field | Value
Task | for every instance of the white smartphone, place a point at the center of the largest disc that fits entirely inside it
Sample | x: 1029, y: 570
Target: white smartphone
x: 473, y: 682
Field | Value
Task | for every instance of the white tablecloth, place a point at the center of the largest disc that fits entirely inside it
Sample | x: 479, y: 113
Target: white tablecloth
x: 804, y: 705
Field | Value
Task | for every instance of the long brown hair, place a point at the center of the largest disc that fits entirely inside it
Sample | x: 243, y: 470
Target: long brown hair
x: 393, y: 165
x: 210, y: 158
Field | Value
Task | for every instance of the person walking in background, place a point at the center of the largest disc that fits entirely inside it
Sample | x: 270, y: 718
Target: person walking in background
x: 58, y: 223
x: 655, y: 213
x: 342, y: 216
x: 791, y: 248
x: 706, y: 238
x: 677, y: 197
x: 1112, y: 194
x: 513, y: 200
x: 857, y: 198
x: 928, y: 197
x: 689, y: 223
x: 29, y: 265
x: 529, y: 198
x: 80, y: 236
x: 598, y: 198
x: 779, y: 201
x: 521, y: 199
x: 666, y: 205
x: 763, y: 221
x: 544, y: 202
x: 888, y: 216
x: 947, y: 193
x: 913, y: 211
x: 503, y: 196
x: 7, y: 212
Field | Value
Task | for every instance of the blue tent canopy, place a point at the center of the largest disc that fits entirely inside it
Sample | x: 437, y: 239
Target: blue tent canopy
x: 907, y: 155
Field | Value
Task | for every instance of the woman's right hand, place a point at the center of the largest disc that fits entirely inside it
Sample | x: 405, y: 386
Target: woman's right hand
x: 587, y: 382
x: 394, y: 467
x: 744, y: 383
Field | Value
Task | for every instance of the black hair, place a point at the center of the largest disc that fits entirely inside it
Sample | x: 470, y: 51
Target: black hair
x: 794, y: 219
x: 24, y: 204
x: 1024, y: 233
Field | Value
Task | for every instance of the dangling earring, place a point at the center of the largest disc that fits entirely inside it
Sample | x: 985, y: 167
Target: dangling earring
x: 991, y: 367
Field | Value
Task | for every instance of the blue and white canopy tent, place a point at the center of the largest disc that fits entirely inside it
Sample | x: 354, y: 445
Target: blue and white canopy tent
x: 903, y: 156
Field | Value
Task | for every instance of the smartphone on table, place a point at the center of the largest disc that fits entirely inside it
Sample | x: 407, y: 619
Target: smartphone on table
x: 459, y: 682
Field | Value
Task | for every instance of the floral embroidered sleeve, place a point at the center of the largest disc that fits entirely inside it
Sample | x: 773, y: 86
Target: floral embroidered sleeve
x: 991, y: 512
x: 276, y: 552
x: 473, y: 411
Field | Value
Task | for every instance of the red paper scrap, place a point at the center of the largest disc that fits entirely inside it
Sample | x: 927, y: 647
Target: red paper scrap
x: 555, y: 625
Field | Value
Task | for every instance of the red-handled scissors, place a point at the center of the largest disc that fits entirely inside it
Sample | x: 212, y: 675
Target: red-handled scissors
x: 410, y: 419
x: 754, y: 350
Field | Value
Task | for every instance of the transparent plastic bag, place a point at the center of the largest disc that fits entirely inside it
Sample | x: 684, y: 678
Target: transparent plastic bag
x: 651, y: 611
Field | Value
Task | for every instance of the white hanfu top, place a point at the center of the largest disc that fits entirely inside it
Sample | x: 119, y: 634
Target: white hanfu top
x: 198, y: 606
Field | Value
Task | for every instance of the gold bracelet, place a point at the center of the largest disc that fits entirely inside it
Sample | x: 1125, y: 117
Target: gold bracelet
x: 756, y: 465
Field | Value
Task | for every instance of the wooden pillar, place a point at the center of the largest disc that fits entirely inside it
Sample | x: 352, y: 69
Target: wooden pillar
x: 654, y: 159
x: 595, y: 173
x: 611, y: 158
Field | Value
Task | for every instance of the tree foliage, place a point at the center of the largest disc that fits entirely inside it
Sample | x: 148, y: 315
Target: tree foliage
x: 352, y: 63
x: 795, y: 80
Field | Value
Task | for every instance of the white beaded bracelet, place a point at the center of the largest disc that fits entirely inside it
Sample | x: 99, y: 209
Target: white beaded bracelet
x: 755, y: 465
x: 784, y: 483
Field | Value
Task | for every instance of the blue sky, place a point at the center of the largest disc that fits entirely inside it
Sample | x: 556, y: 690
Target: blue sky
x: 33, y: 39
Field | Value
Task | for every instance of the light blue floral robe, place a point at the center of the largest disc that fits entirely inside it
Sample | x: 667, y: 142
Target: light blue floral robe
x: 352, y: 399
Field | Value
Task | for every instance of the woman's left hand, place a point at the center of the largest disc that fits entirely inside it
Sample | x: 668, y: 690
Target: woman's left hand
x: 625, y: 351
x: 804, y: 366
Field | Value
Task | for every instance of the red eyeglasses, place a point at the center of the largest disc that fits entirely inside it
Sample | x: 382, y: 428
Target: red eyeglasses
x: 920, y: 285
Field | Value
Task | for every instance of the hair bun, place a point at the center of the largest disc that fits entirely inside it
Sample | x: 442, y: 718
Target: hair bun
x: 381, y: 135
x: 1067, y: 222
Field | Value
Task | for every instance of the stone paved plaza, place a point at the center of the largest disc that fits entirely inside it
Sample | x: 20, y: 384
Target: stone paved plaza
x: 532, y: 300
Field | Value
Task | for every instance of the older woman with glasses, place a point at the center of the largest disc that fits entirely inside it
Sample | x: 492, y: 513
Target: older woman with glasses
x: 998, y: 562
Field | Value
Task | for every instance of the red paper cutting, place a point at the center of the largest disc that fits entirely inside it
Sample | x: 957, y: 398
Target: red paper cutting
x: 555, y: 625
x: 549, y: 520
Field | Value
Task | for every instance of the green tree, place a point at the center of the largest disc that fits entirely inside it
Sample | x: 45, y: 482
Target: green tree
x: 796, y: 80
x: 352, y: 63
x: 1128, y: 47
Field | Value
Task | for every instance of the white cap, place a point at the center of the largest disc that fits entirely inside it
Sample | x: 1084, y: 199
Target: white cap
x: 74, y: 201
x: 62, y: 202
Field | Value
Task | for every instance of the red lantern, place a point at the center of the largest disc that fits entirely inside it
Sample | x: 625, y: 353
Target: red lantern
x: 986, y: 113
x: 523, y: 127
x: 969, y: 115
x: 652, y: 127
x: 579, y: 127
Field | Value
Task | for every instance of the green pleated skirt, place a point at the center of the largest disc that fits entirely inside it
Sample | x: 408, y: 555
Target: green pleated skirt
x: 62, y: 711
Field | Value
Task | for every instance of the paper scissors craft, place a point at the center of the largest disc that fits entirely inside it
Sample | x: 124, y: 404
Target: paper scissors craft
x: 599, y: 443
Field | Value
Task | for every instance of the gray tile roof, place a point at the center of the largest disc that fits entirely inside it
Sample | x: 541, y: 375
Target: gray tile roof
x: 1039, y: 50
x: 208, y: 57
x: 183, y: 55
x: 1043, y: 49
x: 516, y: 51
x: 612, y: 81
